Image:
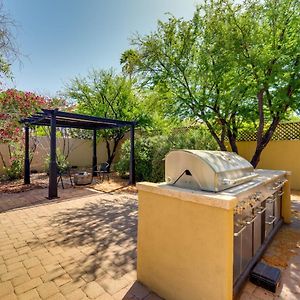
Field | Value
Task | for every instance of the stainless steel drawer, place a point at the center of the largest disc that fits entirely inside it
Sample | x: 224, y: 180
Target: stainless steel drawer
x: 242, y: 246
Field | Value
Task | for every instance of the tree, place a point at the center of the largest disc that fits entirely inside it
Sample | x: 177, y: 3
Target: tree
x: 105, y: 94
x: 8, y: 48
x: 230, y: 64
x: 129, y: 59
x: 269, y: 51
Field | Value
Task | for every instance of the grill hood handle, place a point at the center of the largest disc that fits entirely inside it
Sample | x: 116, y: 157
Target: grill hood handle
x: 228, y: 181
x: 185, y: 172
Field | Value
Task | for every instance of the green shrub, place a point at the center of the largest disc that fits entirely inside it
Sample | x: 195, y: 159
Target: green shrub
x: 143, y: 156
x: 14, y: 168
x: 62, y: 163
x: 151, y: 151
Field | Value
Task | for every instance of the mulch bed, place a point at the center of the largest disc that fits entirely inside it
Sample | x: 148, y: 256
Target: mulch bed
x: 39, y: 181
x: 115, y: 184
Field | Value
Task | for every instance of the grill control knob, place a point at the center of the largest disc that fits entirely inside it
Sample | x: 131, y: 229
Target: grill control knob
x: 255, y: 198
x: 277, y: 184
x: 258, y: 196
x: 240, y: 207
x: 238, y: 210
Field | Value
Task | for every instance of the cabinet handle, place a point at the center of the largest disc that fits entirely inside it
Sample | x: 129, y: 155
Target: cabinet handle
x: 250, y: 222
x: 239, y: 180
x: 262, y: 211
x: 274, y: 219
x: 271, y: 198
x: 239, y: 232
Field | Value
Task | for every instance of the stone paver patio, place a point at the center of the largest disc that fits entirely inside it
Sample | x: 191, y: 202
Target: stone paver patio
x: 85, y: 248
x: 72, y: 249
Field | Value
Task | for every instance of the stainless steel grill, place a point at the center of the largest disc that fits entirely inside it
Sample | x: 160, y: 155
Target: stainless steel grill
x: 258, y: 212
x: 207, y: 170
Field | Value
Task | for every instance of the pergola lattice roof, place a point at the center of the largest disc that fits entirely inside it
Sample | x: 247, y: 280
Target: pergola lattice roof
x: 72, y: 120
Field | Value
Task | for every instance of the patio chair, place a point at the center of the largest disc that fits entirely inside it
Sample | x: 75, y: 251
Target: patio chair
x: 60, y: 173
x: 103, y: 170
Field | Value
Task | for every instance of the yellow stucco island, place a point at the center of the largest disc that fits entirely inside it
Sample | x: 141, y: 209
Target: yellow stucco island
x: 185, y: 241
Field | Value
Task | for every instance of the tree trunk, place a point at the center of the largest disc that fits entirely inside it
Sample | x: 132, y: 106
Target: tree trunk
x: 111, y: 153
x: 2, y: 159
x: 265, y: 139
x: 232, y: 141
x: 234, y: 133
x: 109, y: 158
x: 33, y: 148
x: 260, y: 100
x: 215, y: 136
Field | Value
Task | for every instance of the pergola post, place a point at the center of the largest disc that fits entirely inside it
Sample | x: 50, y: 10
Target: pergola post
x: 52, y: 191
x: 94, y: 163
x: 132, y: 159
x: 26, y: 160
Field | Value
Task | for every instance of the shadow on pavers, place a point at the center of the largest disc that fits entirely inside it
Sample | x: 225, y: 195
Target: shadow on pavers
x: 100, y: 237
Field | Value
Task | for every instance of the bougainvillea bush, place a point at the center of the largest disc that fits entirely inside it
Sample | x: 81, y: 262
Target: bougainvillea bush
x: 15, y: 105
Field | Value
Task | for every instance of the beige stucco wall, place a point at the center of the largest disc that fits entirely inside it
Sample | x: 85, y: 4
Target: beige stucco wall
x: 80, y: 153
x: 278, y: 155
x: 185, y: 249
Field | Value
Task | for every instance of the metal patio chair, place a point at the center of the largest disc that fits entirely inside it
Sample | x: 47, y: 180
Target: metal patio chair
x: 103, y: 170
x: 66, y: 172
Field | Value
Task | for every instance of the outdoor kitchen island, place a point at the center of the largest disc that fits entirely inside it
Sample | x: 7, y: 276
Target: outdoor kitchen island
x: 195, y: 244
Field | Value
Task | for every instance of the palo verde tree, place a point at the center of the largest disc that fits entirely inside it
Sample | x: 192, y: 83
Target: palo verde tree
x: 105, y: 94
x: 230, y: 64
x: 267, y: 35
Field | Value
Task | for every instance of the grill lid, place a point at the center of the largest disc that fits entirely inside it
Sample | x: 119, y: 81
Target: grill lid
x: 207, y: 170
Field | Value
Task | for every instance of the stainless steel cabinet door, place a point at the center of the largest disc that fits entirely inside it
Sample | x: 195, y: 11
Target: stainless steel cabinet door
x: 270, y: 215
x: 257, y: 229
x: 237, y: 262
x: 277, y: 207
x: 246, y: 246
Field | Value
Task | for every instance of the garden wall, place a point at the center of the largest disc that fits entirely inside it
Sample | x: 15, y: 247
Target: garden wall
x: 282, y: 155
x: 80, y: 152
x: 278, y: 155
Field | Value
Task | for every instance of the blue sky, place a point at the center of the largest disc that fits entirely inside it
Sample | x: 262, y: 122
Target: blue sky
x: 60, y: 39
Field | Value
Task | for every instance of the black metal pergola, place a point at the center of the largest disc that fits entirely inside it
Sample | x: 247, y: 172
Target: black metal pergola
x: 55, y: 118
